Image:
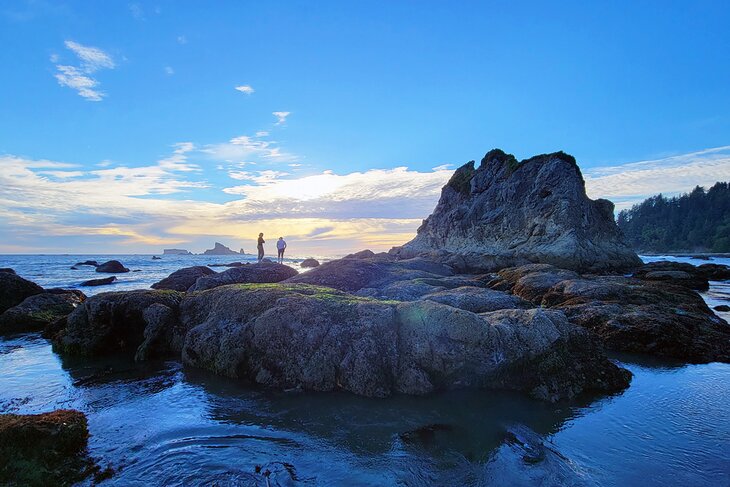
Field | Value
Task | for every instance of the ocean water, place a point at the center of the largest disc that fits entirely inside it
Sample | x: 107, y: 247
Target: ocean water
x: 159, y: 423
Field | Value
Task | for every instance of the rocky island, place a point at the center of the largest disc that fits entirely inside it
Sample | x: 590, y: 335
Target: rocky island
x: 516, y: 281
x: 220, y: 249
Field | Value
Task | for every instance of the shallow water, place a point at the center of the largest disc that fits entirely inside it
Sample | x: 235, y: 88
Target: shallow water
x: 161, y: 424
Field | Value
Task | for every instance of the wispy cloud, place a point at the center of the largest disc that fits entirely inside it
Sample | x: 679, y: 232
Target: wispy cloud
x: 136, y: 10
x: 246, y: 89
x: 281, y: 117
x: 182, y: 40
x: 169, y: 71
x: 243, y: 148
x: 91, y: 59
x: 630, y: 183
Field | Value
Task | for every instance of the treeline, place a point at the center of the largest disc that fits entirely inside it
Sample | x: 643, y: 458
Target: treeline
x: 698, y: 221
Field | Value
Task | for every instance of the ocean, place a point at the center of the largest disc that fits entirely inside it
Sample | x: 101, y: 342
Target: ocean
x: 159, y: 423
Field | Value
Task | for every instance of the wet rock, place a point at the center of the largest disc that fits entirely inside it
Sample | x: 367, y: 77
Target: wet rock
x: 7, y: 270
x: 44, y: 449
x: 116, y: 322
x: 715, y: 272
x: 99, y: 282
x: 315, y: 338
x: 183, y: 279
x: 678, y: 273
x: 508, y: 213
x: 112, y: 266
x: 308, y: 263
x: 722, y: 307
x: 87, y: 262
x: 642, y: 316
x: 425, y: 435
x: 353, y: 274
x: 700, y: 257
x: 408, y: 290
x: 14, y: 289
x: 477, y: 300
x: 532, y: 281
x: 264, y: 272
x: 154, y: 257
x: 37, y: 311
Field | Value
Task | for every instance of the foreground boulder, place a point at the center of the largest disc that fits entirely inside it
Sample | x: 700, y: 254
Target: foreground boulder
x: 38, y: 311
x: 263, y: 272
x: 44, y: 449
x: 112, y: 266
x: 294, y: 336
x: 117, y: 322
x: 14, y: 289
x: 506, y: 213
x: 183, y: 279
x: 629, y: 314
x: 715, y: 272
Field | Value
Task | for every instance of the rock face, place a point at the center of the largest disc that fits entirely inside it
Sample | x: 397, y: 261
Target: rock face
x: 507, y: 213
x: 264, y: 272
x: 112, y: 267
x: 294, y: 336
x: 307, y: 263
x: 39, y: 310
x: 44, y: 449
x: 677, y: 273
x: 116, y: 322
x: 14, y: 289
x: 220, y: 249
x: 317, y: 338
x: 630, y: 315
x: 182, y: 279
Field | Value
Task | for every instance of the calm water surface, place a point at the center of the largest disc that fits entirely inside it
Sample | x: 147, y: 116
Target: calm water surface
x: 161, y: 424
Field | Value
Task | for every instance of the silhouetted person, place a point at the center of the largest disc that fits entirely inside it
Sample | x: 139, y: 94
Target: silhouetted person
x: 281, y: 246
x: 260, y: 246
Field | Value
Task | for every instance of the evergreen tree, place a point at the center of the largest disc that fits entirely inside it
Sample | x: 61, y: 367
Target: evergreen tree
x: 698, y: 221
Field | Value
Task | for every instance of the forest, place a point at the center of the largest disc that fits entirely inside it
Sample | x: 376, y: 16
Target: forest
x: 698, y: 221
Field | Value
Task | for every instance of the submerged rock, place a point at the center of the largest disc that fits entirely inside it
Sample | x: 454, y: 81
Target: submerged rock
x: 39, y: 310
x: 506, y: 213
x: 112, y: 266
x: 99, y: 282
x: 44, y: 449
x: 307, y: 263
x: 264, y: 272
x: 14, y: 289
x: 183, y: 279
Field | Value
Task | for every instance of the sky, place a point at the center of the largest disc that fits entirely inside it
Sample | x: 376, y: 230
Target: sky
x: 129, y: 127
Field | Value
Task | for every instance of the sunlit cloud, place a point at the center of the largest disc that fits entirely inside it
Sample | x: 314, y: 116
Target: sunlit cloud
x: 631, y: 183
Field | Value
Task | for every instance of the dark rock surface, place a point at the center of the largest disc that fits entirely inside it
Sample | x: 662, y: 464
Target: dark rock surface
x: 92, y: 263
x: 115, y: 322
x: 722, y: 308
x: 183, y: 279
x: 353, y: 274
x: 678, y: 273
x: 506, y: 213
x: 14, y: 289
x: 264, y: 272
x: 629, y: 314
x: 44, y: 449
x: 39, y: 310
x: 307, y: 263
x: 715, y: 272
x: 99, y: 282
x: 112, y: 266
x: 7, y: 270
x: 477, y: 300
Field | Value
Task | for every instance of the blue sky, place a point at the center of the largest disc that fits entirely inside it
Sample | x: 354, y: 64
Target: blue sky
x: 121, y: 126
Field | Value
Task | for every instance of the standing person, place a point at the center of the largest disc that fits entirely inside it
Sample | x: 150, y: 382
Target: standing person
x: 260, y: 246
x: 280, y: 246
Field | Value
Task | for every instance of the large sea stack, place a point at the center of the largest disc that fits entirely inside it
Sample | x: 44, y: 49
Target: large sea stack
x: 507, y: 213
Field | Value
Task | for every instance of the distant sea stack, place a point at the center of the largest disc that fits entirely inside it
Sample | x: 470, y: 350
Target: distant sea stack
x: 508, y: 212
x: 175, y: 252
x: 220, y: 249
